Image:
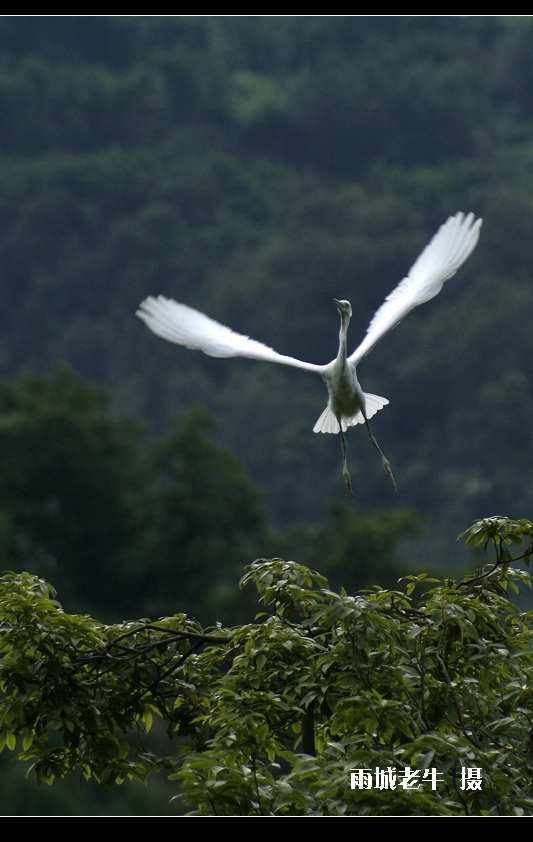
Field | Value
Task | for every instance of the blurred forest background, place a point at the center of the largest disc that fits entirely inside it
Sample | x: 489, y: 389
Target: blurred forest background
x: 255, y: 168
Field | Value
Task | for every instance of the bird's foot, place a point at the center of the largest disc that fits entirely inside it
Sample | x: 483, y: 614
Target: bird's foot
x: 388, y: 471
x: 347, y: 483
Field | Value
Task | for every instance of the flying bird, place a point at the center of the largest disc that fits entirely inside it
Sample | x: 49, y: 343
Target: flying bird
x: 347, y: 405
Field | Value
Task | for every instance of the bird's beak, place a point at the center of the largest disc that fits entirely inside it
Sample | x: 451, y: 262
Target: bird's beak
x: 336, y: 303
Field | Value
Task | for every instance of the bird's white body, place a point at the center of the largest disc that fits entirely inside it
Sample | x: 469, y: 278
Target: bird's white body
x: 348, y: 404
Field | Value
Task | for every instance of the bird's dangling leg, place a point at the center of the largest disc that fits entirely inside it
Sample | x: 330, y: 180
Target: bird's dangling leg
x: 384, y: 460
x: 345, y: 472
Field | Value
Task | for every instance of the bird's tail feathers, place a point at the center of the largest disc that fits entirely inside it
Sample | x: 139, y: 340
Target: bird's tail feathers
x: 373, y: 404
x: 327, y: 423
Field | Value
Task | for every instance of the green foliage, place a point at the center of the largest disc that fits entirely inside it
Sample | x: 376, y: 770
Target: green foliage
x: 207, y: 519
x: 72, y: 495
x: 83, y: 681
x: 85, y: 500
x: 280, y: 716
x: 356, y: 550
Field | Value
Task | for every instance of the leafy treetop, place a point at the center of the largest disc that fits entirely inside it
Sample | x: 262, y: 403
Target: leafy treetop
x: 272, y: 718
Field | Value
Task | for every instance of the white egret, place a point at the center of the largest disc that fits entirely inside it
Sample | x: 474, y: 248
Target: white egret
x: 348, y: 405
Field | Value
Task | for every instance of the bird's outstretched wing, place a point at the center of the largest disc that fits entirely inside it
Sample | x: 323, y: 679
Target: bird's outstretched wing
x: 453, y: 243
x: 188, y: 327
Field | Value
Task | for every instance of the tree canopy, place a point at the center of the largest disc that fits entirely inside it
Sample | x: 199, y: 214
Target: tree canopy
x: 382, y: 702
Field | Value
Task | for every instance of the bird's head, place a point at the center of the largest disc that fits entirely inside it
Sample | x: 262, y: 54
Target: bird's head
x: 344, y: 307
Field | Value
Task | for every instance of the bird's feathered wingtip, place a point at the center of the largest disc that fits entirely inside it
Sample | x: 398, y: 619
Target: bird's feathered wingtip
x: 448, y: 249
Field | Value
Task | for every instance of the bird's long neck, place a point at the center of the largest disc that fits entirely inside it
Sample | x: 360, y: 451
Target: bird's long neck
x: 343, y: 339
